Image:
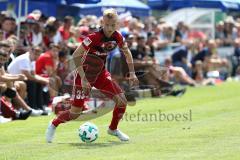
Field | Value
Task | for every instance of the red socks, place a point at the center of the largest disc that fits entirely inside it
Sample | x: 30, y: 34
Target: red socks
x: 64, y: 117
x: 118, y: 113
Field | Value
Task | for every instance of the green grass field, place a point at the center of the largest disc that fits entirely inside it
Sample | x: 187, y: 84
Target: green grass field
x: 212, y: 134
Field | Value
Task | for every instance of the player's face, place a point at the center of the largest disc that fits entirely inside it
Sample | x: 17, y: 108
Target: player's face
x: 110, y: 26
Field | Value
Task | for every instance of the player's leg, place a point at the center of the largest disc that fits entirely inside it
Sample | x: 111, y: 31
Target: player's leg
x: 71, y: 114
x: 67, y: 115
x: 112, y: 90
x: 63, y: 117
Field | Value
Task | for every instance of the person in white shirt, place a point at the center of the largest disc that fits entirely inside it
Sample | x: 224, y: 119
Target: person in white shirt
x: 25, y: 64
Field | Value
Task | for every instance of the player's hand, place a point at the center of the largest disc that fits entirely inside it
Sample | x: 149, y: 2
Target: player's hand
x: 22, y: 77
x: 133, y: 80
x: 86, y: 87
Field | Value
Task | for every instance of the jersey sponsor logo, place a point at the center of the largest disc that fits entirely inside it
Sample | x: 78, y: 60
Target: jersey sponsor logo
x: 87, y: 41
x: 100, y: 54
x: 109, y: 46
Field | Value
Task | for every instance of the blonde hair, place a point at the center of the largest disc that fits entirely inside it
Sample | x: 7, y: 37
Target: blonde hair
x: 110, y: 13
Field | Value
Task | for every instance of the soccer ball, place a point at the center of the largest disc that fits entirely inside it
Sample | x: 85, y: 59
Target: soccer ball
x: 88, y: 132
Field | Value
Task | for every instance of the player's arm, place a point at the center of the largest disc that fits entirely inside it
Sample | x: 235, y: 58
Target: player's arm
x: 129, y: 60
x: 79, y: 56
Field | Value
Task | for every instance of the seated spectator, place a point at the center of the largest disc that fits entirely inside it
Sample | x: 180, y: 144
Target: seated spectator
x: 149, y: 72
x: 236, y: 57
x: 219, y: 33
x: 36, y: 35
x: 1, y: 35
x: 25, y: 64
x: 65, y: 29
x: 180, y: 57
x: 63, y: 70
x: 198, y: 75
x: 8, y: 79
x: 209, y: 57
x: 178, y: 74
x: 46, y: 66
x: 52, y: 21
x: 8, y: 27
x: 228, y: 31
x: 49, y: 35
x: 73, y: 43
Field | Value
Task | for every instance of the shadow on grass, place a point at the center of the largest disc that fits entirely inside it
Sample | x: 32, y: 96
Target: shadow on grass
x: 82, y: 145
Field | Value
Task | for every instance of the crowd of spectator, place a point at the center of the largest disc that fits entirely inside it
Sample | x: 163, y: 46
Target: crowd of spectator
x: 36, y: 66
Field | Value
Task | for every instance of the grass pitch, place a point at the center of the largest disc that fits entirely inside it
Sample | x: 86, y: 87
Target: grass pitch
x: 203, y: 124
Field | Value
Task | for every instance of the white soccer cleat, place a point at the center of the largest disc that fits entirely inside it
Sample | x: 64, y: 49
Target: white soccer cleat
x: 122, y: 136
x: 50, y: 132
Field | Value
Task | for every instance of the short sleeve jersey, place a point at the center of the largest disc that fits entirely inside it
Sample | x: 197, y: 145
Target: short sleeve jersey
x: 98, y: 47
x: 43, y: 61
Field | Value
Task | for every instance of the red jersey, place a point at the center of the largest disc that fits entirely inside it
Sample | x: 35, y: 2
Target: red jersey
x: 98, y: 47
x: 64, y: 33
x: 44, y: 60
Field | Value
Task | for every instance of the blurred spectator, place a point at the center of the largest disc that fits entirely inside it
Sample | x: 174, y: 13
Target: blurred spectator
x: 63, y: 68
x: 73, y: 40
x: 8, y: 79
x: 65, y: 28
x: 37, y: 36
x: 210, y: 58
x: 46, y: 66
x: 178, y: 74
x: 25, y: 64
x: 1, y: 35
x: 228, y: 31
x: 198, y: 75
x: 219, y: 33
x: 236, y: 57
x: 8, y: 27
x: 180, y: 57
x: 48, y: 38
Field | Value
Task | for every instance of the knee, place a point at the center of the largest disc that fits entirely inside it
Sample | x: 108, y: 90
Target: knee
x: 75, y: 112
x: 120, y: 100
x: 74, y: 115
x: 22, y: 85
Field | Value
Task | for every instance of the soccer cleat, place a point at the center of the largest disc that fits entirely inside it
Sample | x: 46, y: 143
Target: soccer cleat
x: 50, y: 132
x: 122, y: 136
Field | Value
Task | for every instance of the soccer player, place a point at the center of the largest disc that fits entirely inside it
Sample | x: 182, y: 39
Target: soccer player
x: 90, y: 58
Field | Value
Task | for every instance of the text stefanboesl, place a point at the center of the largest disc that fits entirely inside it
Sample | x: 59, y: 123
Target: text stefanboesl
x: 158, y: 116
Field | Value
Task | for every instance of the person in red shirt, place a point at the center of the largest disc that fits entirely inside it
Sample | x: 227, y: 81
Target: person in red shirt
x: 90, y: 58
x: 65, y: 29
x: 46, y: 67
